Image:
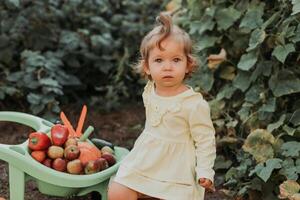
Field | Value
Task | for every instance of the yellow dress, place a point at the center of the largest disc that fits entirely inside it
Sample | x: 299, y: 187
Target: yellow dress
x: 175, y: 149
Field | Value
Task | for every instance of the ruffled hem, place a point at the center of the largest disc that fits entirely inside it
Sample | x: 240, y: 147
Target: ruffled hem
x: 155, y: 188
x: 155, y: 155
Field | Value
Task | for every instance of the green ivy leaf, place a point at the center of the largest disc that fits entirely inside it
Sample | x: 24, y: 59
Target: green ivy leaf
x: 277, y: 124
x: 226, y: 92
x: 270, y: 106
x: 231, y: 173
x: 256, y: 38
x: 296, y: 37
x: 296, y: 6
x: 244, y: 112
x: 265, y: 171
x: 253, y: 93
x: 291, y: 149
x: 206, y: 23
x: 253, y: 17
x: 289, y: 130
x: 289, y: 170
x: 247, y: 61
x: 207, y: 78
x: 295, y: 119
x: 282, y: 51
x: 284, y: 82
x: 216, y: 108
x: 205, y: 42
x: 262, y: 67
x: 272, y: 19
x: 298, y: 165
x: 226, y: 17
x: 222, y: 163
x: 242, y: 80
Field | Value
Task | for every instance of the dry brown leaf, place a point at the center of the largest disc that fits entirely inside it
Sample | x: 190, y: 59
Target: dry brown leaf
x: 172, y: 5
x: 215, y: 59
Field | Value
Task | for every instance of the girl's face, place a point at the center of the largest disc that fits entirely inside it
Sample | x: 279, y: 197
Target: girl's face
x: 167, y: 67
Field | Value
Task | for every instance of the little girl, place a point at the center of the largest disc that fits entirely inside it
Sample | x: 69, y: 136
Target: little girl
x: 173, y: 157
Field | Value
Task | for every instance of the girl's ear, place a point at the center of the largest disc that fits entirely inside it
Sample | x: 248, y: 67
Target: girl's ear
x: 191, y: 64
x: 145, y: 67
x: 187, y: 70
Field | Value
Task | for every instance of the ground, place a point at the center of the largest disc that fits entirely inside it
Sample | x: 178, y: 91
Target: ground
x: 121, y: 127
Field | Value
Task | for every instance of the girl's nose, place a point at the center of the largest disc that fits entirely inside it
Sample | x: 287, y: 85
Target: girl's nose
x: 167, y: 66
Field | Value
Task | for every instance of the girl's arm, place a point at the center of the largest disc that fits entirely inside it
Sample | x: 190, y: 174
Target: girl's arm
x: 203, y: 134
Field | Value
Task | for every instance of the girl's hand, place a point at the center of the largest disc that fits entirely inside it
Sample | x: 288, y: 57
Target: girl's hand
x: 207, y: 184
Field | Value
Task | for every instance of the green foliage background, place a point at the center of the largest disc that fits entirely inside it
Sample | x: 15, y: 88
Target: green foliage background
x: 57, y: 52
x: 254, y: 93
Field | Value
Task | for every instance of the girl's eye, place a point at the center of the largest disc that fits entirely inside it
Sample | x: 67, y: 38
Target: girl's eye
x: 177, y: 59
x: 158, y: 60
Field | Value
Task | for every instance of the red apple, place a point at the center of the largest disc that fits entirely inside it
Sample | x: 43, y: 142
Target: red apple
x: 70, y: 141
x: 59, y: 164
x: 74, y: 167
x: 102, y: 163
x: 109, y: 158
x: 47, y: 162
x: 91, y: 167
x: 55, y: 152
x: 71, y: 152
x: 59, y: 134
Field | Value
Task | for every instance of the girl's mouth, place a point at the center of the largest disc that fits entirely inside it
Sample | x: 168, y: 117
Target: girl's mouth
x: 166, y: 77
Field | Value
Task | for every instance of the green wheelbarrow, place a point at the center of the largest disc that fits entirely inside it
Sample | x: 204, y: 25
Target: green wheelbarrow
x: 22, y: 167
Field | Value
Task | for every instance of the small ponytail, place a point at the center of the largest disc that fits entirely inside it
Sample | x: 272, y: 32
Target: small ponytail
x: 166, y: 27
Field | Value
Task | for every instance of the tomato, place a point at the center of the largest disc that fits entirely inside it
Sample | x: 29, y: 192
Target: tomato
x: 38, y: 141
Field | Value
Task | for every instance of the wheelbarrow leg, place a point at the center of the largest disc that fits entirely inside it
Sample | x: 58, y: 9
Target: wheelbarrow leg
x: 102, y: 189
x: 16, y: 183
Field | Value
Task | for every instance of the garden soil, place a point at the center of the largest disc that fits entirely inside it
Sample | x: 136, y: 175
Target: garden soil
x: 121, y: 127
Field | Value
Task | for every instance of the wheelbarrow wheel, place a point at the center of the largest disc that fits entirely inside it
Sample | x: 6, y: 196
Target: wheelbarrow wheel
x: 96, y: 196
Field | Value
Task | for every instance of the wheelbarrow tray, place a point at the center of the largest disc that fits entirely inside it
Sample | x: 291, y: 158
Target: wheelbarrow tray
x: 22, y: 167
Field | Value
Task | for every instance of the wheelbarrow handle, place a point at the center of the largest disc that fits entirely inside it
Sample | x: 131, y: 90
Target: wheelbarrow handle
x: 37, y: 123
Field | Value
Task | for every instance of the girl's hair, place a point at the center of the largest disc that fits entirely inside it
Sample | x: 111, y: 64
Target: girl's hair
x: 155, y: 37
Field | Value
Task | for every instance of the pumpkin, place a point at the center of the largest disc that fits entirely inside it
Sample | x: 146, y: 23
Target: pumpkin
x: 88, y: 152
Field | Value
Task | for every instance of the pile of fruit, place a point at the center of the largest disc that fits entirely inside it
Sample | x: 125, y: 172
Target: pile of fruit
x: 64, y: 152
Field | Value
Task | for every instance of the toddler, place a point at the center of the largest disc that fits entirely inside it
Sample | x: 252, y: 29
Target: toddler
x: 173, y: 157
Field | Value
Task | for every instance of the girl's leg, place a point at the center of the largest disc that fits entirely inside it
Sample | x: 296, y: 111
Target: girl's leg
x: 118, y: 191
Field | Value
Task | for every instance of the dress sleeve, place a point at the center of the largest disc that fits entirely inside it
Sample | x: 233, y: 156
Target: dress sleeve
x: 203, y: 134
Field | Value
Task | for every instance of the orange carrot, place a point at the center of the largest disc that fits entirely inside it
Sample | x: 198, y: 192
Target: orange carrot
x: 68, y: 124
x: 81, y: 121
